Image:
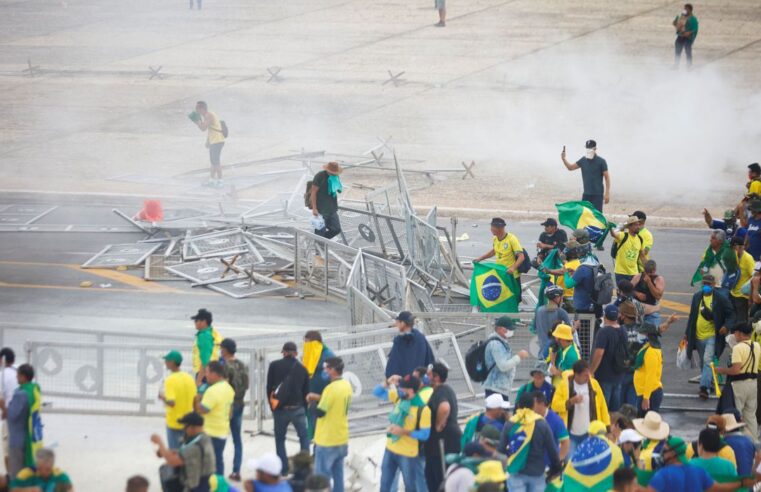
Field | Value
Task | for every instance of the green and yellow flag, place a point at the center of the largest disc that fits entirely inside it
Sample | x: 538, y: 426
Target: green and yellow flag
x: 493, y: 290
x: 519, y: 438
x: 33, y: 441
x: 583, y: 215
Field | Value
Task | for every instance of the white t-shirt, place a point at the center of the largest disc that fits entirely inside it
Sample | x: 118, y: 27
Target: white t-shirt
x: 8, y: 383
x: 580, y: 424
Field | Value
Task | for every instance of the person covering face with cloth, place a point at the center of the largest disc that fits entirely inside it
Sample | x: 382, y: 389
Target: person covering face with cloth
x: 315, y: 355
x: 323, y: 200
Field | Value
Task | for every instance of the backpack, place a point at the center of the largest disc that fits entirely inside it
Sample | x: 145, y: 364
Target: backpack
x: 602, y: 291
x: 225, y: 131
x: 308, y: 195
x: 622, y: 357
x: 475, y: 361
x: 525, y: 266
x: 614, y: 249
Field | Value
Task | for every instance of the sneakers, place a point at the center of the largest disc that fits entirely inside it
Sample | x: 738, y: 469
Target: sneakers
x: 235, y: 477
x: 703, y: 393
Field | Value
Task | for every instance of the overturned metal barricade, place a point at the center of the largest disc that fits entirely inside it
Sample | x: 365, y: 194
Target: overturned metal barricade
x: 322, y: 266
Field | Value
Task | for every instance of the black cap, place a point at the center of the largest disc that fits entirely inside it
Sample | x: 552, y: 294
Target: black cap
x: 406, y: 317
x: 550, y: 222
x: 755, y: 168
x: 737, y: 241
x: 745, y: 328
x: 229, y: 345
x: 191, y: 418
x: 498, y: 222
x: 410, y: 382
x: 591, y: 144
x: 290, y: 347
x: 202, y: 315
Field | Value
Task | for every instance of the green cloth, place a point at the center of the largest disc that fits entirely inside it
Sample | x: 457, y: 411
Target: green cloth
x: 710, y: 259
x: 334, y: 186
x: 401, y: 411
x: 33, y: 440
x: 194, y: 117
x: 567, y: 357
x: 470, y: 430
x: 205, y: 344
x: 583, y: 215
x: 720, y: 469
x: 28, y: 477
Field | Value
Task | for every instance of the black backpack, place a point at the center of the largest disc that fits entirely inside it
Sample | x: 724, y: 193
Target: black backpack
x: 614, y: 249
x: 622, y: 357
x: 475, y: 361
x: 308, y: 195
x: 525, y: 267
x: 225, y: 131
x: 602, y: 291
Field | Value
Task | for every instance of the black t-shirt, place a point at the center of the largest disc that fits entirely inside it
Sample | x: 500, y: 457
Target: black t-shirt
x: 591, y: 174
x: 326, y: 204
x: 451, y: 434
x: 607, y: 339
x: 558, y: 239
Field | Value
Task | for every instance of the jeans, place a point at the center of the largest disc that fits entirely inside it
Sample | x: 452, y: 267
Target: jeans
x: 174, y: 438
x: 612, y: 394
x: 219, y: 452
x: 420, y: 476
x: 595, y: 200
x: 297, y: 417
x: 575, y: 441
x: 407, y: 466
x: 332, y: 226
x: 653, y: 318
x: 236, y: 421
x: 683, y: 44
x: 706, y: 350
x: 518, y: 482
x: 329, y: 461
x: 628, y: 394
x: 656, y: 398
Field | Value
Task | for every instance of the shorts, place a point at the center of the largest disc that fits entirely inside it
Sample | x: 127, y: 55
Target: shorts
x: 215, y: 150
x: 441, y: 4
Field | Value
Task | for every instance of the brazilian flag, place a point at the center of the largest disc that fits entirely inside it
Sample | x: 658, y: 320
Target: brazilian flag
x: 584, y: 215
x: 493, y: 290
x: 592, y: 465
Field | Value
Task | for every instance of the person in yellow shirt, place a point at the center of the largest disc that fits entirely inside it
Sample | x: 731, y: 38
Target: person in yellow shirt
x: 410, y: 424
x: 754, y: 181
x: 745, y: 264
x: 178, y: 394
x: 215, y: 139
x: 648, y: 368
x: 331, y: 437
x: 506, y: 248
x: 645, y: 235
x: 216, y: 405
x: 630, y: 250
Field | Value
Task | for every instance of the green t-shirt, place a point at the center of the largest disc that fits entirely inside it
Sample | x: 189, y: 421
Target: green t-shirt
x: 720, y: 469
x: 690, y: 25
x: 28, y: 477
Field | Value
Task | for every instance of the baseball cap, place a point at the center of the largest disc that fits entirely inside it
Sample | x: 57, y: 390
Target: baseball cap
x: 729, y: 214
x: 737, y: 241
x: 268, y: 463
x: 202, y: 315
x: 229, y: 345
x: 591, y: 144
x: 538, y: 370
x: 490, y: 434
x: 289, y: 347
x: 550, y: 222
x: 709, y: 279
x: 629, y: 435
x: 611, y: 312
x: 498, y: 222
x: 678, y: 446
x: 505, y: 322
x: 405, y: 317
x: 494, y: 401
x: 174, y: 356
x: 192, y: 418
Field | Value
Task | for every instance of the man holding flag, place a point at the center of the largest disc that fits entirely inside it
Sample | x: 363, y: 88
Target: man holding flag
x: 24, y: 424
x: 506, y: 248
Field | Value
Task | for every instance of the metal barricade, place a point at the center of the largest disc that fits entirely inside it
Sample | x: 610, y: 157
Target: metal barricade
x: 323, y: 266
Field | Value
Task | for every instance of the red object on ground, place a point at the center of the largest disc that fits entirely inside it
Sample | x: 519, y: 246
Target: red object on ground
x: 152, y: 211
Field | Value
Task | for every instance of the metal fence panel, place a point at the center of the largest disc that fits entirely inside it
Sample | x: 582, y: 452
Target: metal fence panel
x: 323, y: 266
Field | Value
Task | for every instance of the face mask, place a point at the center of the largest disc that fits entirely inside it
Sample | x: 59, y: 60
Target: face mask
x: 509, y: 334
x: 707, y: 289
x: 325, y: 376
x: 684, y: 12
x: 403, y: 395
x: 590, y: 153
x: 426, y: 380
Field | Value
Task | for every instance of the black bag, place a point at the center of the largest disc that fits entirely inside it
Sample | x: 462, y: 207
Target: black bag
x: 525, y: 266
x: 225, y: 131
x: 308, y: 195
x: 169, y: 476
x: 614, y: 249
x: 602, y: 289
x: 475, y: 361
x: 622, y: 357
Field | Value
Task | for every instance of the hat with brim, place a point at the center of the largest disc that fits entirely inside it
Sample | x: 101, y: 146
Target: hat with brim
x: 491, y: 471
x: 549, y: 222
x: 268, y: 463
x: 174, y: 356
x: 729, y: 214
x: 731, y: 423
x: 632, y: 219
x: 563, y: 332
x: 498, y: 222
x: 504, y: 322
x: 652, y: 426
x: 333, y: 168
x: 679, y: 447
x: 536, y: 371
x: 597, y: 427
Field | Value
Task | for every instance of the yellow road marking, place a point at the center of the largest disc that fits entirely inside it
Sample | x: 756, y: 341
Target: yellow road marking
x: 675, y: 306
x: 11, y: 285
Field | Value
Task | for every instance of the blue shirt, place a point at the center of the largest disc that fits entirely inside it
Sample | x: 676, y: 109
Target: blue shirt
x: 754, y: 238
x: 745, y: 452
x: 584, y: 277
x: 735, y: 231
x: 281, y: 486
x: 484, y: 420
x: 559, y: 431
x: 681, y: 478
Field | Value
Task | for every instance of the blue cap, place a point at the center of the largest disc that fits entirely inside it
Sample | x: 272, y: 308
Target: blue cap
x: 611, y: 312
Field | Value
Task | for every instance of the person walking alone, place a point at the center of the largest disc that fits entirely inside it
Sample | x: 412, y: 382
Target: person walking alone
x: 323, y: 199
x: 594, y: 169
x: 215, y: 137
x: 686, y: 25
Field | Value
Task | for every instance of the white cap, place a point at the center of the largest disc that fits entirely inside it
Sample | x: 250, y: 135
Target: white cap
x: 495, y: 401
x: 629, y: 435
x: 268, y: 463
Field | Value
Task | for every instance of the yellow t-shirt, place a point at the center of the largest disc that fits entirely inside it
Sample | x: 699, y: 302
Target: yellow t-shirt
x: 705, y: 328
x: 741, y: 354
x: 333, y: 427
x: 746, y: 264
x: 755, y: 188
x: 218, y: 400
x: 214, y: 130
x: 647, y: 239
x: 627, y: 256
x: 506, y: 249
x: 571, y: 266
x: 179, y: 387
x: 406, y: 445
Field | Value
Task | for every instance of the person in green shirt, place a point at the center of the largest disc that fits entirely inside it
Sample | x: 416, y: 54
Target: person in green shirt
x: 43, y: 476
x: 720, y: 469
x: 686, y: 25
